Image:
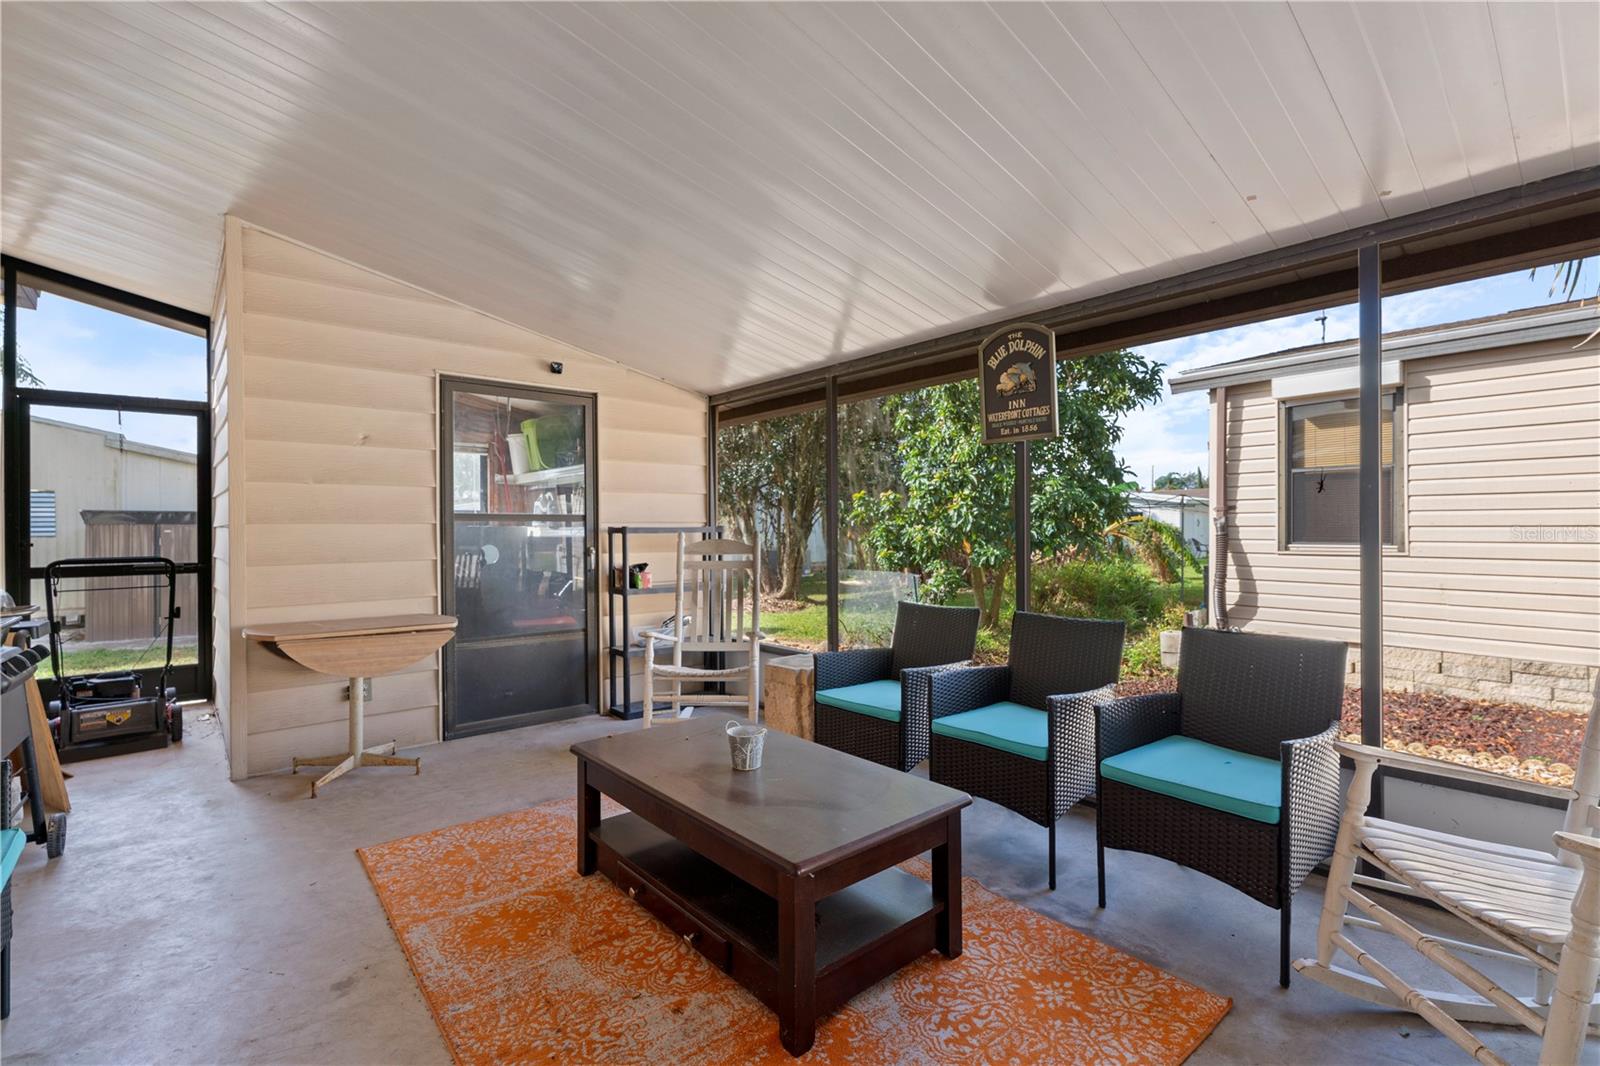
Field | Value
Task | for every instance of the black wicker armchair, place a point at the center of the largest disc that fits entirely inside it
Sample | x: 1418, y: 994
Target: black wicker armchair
x: 1235, y: 774
x: 1022, y: 735
x: 873, y: 702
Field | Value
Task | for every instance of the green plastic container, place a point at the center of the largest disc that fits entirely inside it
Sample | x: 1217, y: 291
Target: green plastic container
x: 554, y: 439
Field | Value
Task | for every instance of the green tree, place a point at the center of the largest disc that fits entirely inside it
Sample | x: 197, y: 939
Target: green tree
x: 796, y: 448
x: 868, y: 463
x: 741, y: 479
x: 1564, y: 279
x: 951, y: 521
x: 769, y: 482
x: 1158, y: 544
x: 1194, y: 479
x: 25, y: 374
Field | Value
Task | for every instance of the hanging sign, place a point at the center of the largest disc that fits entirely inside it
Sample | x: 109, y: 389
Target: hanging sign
x: 1017, y: 374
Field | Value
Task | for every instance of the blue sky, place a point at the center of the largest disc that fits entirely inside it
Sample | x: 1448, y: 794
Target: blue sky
x: 1171, y: 435
x: 76, y: 346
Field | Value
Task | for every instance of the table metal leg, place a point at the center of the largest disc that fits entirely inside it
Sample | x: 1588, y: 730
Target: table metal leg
x: 797, y: 964
x: 947, y: 888
x: 357, y: 754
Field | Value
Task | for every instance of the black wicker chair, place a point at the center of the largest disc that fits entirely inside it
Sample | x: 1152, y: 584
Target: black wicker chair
x: 1235, y: 774
x: 873, y: 702
x: 1022, y: 735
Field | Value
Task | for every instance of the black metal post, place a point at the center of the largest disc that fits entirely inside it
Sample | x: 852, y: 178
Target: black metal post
x: 627, y: 629
x: 1370, y: 504
x: 16, y: 462
x: 711, y: 464
x: 830, y: 509
x: 1022, y: 497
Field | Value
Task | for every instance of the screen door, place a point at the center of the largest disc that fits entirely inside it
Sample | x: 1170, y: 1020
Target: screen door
x: 518, y: 555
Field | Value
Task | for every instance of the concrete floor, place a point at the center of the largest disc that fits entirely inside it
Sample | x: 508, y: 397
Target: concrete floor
x: 193, y: 920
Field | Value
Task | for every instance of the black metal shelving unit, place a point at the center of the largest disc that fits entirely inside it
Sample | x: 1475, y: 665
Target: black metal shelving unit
x: 619, y: 652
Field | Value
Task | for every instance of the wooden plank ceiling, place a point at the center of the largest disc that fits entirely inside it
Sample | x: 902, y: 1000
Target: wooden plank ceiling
x: 720, y: 194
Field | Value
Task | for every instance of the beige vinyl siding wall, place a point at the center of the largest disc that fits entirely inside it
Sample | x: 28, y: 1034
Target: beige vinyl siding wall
x: 1496, y: 445
x: 340, y: 516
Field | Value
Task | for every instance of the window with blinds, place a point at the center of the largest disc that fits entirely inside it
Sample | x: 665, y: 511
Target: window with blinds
x: 1324, y: 472
x: 42, y: 513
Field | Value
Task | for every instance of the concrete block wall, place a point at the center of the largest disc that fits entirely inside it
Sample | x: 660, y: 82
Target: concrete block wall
x: 1530, y: 682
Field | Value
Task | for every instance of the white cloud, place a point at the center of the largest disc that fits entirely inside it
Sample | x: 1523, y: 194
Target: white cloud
x: 76, y: 347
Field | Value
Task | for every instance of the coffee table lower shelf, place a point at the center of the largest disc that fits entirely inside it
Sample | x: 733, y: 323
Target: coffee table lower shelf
x: 865, y: 932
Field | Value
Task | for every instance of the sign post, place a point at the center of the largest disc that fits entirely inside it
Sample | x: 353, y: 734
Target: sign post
x: 1017, y: 379
x: 1017, y: 383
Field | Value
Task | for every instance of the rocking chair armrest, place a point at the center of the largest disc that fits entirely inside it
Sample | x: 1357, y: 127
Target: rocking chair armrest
x: 1134, y: 721
x: 966, y: 689
x: 1365, y: 756
x: 1584, y: 847
x: 836, y: 669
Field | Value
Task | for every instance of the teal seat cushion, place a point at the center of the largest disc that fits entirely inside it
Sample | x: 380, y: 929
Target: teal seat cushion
x: 1007, y: 726
x: 1203, y: 774
x: 876, y: 699
x: 11, y: 842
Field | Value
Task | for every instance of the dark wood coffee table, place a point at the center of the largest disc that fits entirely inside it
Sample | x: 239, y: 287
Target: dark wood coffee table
x: 785, y: 876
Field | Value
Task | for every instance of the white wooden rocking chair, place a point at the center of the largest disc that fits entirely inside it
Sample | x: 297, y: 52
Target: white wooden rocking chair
x: 714, y: 579
x: 1534, y: 908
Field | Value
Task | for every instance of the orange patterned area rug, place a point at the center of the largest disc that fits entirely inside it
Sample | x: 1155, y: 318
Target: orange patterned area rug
x: 522, y: 960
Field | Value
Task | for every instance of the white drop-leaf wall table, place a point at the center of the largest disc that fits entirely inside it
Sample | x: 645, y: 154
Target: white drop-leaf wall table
x: 358, y: 649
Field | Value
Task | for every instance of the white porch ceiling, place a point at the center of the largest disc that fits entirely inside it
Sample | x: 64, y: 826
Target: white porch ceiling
x: 719, y: 194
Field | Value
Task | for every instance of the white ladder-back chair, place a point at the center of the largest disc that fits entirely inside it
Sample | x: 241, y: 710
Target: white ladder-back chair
x: 717, y: 607
x: 1541, y: 909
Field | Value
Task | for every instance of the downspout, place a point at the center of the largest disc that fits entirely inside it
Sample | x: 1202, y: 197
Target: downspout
x: 1219, y: 507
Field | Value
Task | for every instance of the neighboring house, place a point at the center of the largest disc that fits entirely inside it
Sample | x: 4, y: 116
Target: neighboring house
x: 1188, y: 510
x: 1491, y: 508
x: 95, y: 493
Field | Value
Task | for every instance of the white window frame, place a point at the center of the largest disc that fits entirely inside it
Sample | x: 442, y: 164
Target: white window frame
x: 1285, y: 460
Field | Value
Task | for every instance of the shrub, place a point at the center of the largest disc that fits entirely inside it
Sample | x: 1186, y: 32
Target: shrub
x: 1117, y: 589
x: 1141, y: 655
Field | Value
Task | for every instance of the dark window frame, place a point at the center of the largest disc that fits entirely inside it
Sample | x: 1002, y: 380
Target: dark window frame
x: 17, y: 401
x: 448, y: 386
x: 1490, y: 234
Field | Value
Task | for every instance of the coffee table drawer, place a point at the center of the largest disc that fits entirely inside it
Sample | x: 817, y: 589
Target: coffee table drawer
x: 672, y: 914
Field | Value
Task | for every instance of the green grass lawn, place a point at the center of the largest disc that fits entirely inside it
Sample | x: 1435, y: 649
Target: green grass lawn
x: 1193, y: 586
x: 807, y: 626
x: 866, y: 619
x: 101, y: 659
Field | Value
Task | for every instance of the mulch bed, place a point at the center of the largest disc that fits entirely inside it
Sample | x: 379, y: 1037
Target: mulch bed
x: 774, y: 605
x: 1530, y: 742
x: 1498, y: 728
